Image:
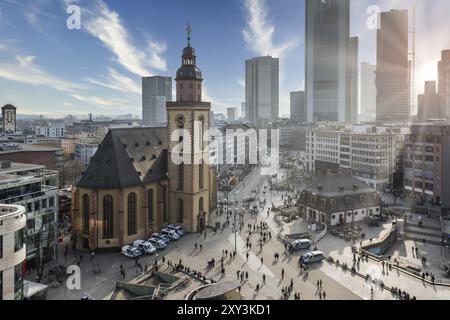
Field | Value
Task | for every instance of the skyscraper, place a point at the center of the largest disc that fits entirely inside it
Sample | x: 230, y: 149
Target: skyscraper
x: 243, y: 110
x: 156, y: 91
x: 368, y: 92
x: 393, y: 68
x: 262, y: 90
x: 429, y: 103
x: 352, y: 108
x: 327, y: 58
x: 231, y: 114
x: 444, y: 82
x: 298, y: 111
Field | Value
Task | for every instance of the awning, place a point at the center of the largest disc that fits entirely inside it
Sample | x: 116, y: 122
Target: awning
x: 31, y: 289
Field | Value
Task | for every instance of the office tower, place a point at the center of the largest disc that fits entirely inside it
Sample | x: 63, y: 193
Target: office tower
x: 156, y: 91
x: 327, y: 57
x: 352, y: 108
x: 243, y: 110
x: 262, y: 90
x: 429, y: 107
x: 368, y: 92
x: 393, y: 67
x: 298, y: 111
x: 231, y: 114
x: 444, y: 83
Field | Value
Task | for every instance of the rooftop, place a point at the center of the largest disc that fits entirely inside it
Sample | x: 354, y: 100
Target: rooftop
x: 30, y: 148
x: 332, y: 185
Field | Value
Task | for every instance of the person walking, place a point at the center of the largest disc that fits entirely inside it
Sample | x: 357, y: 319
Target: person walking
x: 201, y: 247
x: 262, y: 261
x: 195, y: 246
x: 246, y: 275
x: 282, y: 274
x: 92, y: 256
x: 247, y: 254
x: 264, y: 279
x: 324, y: 295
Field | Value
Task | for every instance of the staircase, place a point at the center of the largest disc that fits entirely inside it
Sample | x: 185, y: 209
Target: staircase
x: 431, y: 231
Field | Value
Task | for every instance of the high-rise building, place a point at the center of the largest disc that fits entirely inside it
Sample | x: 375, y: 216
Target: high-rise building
x: 243, y: 110
x: 393, y: 67
x: 156, y: 91
x: 352, y: 109
x: 298, y: 111
x: 444, y: 82
x: 262, y: 90
x: 327, y: 58
x: 428, y: 103
x: 368, y: 92
x: 231, y: 114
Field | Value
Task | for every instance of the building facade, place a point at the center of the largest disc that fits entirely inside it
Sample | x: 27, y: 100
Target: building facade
x: 374, y: 155
x: 444, y: 82
x: 428, y: 104
x: 12, y: 251
x: 338, y: 200
x: 9, y: 121
x: 368, y: 92
x: 53, y: 131
x: 298, y: 110
x: 156, y: 91
x: 262, y: 90
x: 327, y: 79
x: 393, y: 68
x: 85, y: 151
x: 231, y: 114
x: 36, y: 189
x: 427, y: 158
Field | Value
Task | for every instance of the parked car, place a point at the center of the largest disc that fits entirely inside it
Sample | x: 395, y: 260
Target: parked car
x: 301, y: 244
x: 161, y: 237
x: 157, y: 243
x: 144, y: 246
x: 131, y: 252
x: 172, y: 235
x: 312, y: 257
x: 177, y: 228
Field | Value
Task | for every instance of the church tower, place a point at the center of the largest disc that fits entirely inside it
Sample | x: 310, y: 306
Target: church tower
x: 189, y: 189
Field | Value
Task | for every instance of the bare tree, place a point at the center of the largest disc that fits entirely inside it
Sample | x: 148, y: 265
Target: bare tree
x: 43, y: 241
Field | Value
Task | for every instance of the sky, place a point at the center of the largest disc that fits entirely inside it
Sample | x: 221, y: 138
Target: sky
x: 51, y: 70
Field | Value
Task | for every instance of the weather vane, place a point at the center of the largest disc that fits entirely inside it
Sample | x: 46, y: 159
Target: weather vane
x: 189, y: 31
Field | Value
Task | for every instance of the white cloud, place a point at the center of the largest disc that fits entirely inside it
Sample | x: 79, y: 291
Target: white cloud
x: 241, y: 82
x: 106, y: 25
x: 259, y: 32
x: 26, y: 71
x: 99, y: 101
x: 119, y: 82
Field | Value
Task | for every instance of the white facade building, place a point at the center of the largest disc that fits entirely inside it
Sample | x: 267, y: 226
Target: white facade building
x: 53, y: 130
x: 373, y: 154
x: 85, y: 151
x: 12, y: 251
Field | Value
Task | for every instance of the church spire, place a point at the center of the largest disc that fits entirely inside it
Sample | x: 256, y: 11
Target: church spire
x: 189, y: 31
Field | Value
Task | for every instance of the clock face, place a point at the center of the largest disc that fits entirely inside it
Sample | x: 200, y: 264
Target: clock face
x: 180, y: 120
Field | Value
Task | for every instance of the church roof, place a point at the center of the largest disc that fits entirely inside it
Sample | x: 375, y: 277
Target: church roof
x: 9, y: 106
x: 128, y: 157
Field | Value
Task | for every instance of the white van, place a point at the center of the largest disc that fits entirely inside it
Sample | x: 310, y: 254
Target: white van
x: 144, y: 246
x: 312, y: 257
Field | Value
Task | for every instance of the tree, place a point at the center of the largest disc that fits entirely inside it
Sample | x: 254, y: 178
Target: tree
x: 45, y: 236
x: 71, y: 172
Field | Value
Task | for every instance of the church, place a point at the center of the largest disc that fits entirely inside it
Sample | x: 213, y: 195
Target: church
x: 132, y: 188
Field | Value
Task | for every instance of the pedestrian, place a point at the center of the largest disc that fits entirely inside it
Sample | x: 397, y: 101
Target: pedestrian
x: 320, y: 295
x: 195, y: 246
x: 246, y: 275
x: 262, y: 261
x: 264, y: 278
x: 320, y: 283
x: 257, y: 288
x: 205, y: 236
x: 238, y: 274
x: 324, y: 295
x: 201, y: 247
x: 282, y: 274
x: 247, y: 255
